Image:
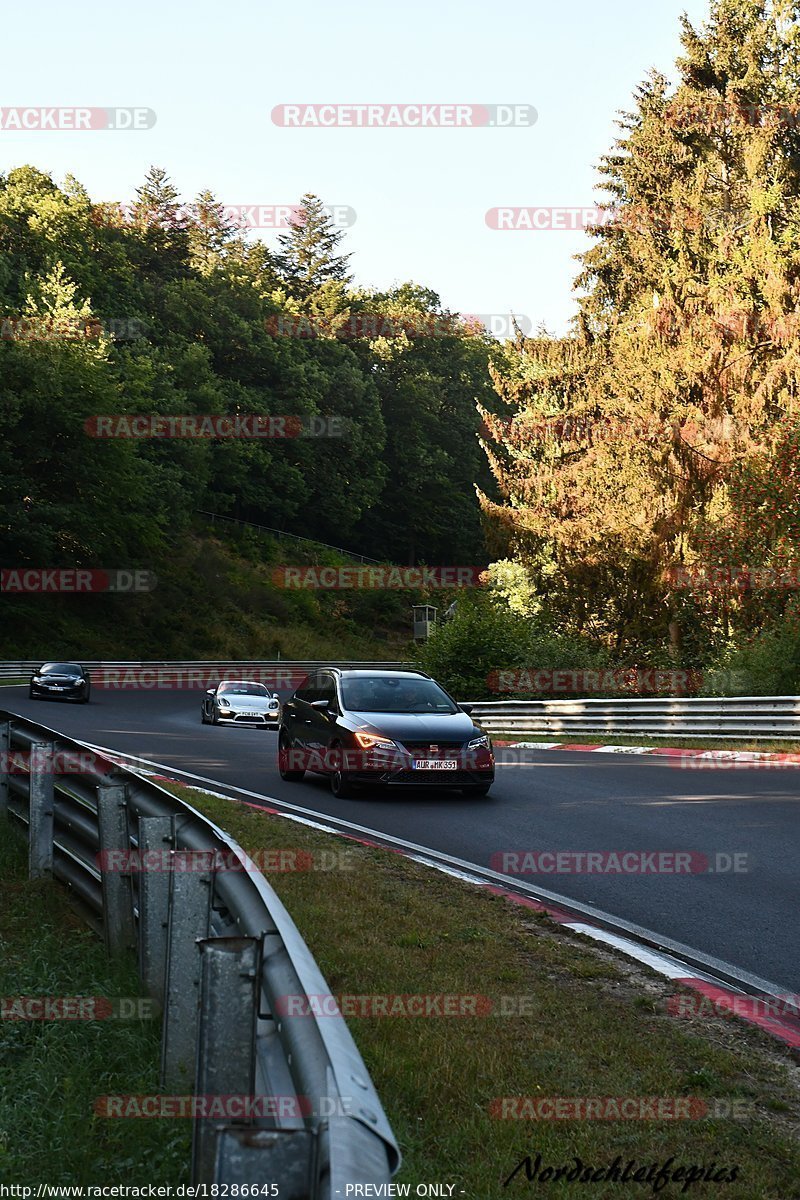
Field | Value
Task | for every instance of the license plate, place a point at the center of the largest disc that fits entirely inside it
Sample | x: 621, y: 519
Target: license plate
x: 435, y: 764
x: 255, y: 716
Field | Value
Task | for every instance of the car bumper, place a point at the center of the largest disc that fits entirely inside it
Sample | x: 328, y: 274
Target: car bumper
x: 392, y: 770
x: 422, y: 778
x: 59, y: 693
x: 233, y: 718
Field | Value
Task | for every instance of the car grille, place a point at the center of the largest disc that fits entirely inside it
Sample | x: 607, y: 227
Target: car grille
x: 434, y: 749
x: 442, y: 778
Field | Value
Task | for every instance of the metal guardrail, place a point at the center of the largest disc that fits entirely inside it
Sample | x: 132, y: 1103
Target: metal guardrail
x: 697, y: 717
x: 25, y: 667
x: 217, y: 950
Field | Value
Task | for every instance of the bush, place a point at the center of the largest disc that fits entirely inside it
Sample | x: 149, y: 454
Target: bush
x: 485, y: 636
x: 765, y: 664
x: 480, y: 638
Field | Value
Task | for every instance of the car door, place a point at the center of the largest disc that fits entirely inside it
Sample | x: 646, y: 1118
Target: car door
x: 297, y: 713
x: 323, y: 720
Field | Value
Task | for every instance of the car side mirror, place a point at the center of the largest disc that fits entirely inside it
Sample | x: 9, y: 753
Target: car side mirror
x: 467, y: 708
x: 211, y: 691
x: 321, y: 705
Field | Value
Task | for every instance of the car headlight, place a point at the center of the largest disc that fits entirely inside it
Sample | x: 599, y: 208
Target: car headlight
x: 224, y: 703
x: 368, y: 741
x: 479, y: 743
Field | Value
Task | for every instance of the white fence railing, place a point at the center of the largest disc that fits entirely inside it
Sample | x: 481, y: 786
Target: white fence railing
x: 696, y: 717
x: 656, y: 717
x: 290, y: 669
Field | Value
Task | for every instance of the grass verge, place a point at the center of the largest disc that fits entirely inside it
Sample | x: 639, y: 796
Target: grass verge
x: 594, y: 1025
x: 52, y: 1071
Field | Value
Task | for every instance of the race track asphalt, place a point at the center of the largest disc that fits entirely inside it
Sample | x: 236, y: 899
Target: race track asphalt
x: 554, y: 801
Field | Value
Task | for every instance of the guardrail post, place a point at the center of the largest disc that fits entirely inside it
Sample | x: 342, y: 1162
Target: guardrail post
x: 155, y: 842
x: 253, y: 1155
x: 189, y: 918
x: 229, y: 991
x: 40, y: 814
x: 5, y: 752
x: 112, y: 820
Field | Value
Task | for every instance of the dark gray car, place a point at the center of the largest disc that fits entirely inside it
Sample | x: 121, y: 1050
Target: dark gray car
x: 60, y: 681
x: 382, y: 728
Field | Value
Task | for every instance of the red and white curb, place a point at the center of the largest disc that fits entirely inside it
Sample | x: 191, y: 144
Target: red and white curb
x: 726, y: 756
x: 756, y: 1010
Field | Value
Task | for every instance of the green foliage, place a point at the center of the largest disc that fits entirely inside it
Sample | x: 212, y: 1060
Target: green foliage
x: 485, y: 636
x: 169, y: 310
x: 309, y: 256
x: 480, y: 637
x: 767, y: 663
x: 663, y: 431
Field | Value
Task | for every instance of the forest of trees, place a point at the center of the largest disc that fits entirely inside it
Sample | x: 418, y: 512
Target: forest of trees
x: 168, y: 309
x: 635, y: 482
x: 649, y: 461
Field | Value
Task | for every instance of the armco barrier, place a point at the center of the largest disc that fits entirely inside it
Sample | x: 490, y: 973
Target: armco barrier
x: 216, y: 948
x: 22, y: 668
x: 652, y: 717
x: 750, y: 717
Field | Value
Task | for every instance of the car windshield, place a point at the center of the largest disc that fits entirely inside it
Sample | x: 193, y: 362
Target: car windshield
x: 60, y: 669
x: 388, y: 694
x: 243, y: 689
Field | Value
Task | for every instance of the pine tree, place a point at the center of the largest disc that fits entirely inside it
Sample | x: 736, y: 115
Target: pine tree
x: 688, y: 338
x: 212, y: 232
x: 162, y: 224
x: 309, y: 256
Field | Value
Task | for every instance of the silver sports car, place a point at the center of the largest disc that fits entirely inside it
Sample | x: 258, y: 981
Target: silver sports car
x: 239, y: 702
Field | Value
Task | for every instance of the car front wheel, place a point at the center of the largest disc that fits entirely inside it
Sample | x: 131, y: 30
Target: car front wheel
x: 341, y: 784
x: 284, y: 760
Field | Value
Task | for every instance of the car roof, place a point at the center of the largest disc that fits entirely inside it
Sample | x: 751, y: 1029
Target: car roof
x: 239, y: 682
x: 346, y: 673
